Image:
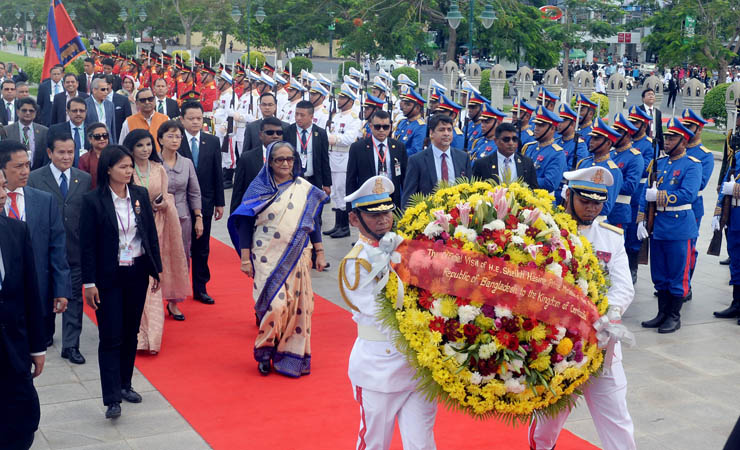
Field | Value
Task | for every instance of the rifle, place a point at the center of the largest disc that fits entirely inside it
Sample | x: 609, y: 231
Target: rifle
x: 251, y: 95
x: 229, y: 124
x: 518, y: 121
x: 332, y: 109
x: 467, y: 120
x: 577, y: 136
x: 643, y: 257
x: 715, y: 246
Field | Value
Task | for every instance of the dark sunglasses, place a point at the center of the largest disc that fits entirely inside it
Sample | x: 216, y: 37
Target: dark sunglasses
x: 381, y: 127
x: 281, y: 160
x: 510, y: 139
x: 99, y: 137
x: 146, y: 99
x: 273, y: 132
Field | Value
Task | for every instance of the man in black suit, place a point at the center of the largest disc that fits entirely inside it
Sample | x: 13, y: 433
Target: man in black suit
x: 85, y: 78
x: 268, y: 108
x: 47, y: 90
x: 23, y: 338
x: 8, y: 107
x: 312, y: 144
x: 164, y: 104
x: 505, y: 164
x: 67, y: 185
x: 437, y: 162
x: 656, y: 127
x: 377, y: 155
x: 26, y: 130
x: 75, y: 127
x: 115, y: 82
x: 59, y: 106
x: 205, y: 152
x: 251, y: 161
x: 121, y: 105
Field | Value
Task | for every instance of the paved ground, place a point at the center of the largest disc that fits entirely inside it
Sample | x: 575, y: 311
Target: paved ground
x: 682, y: 387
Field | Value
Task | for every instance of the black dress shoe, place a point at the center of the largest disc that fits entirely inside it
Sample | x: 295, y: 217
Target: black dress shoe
x: 340, y: 233
x: 725, y: 262
x: 689, y: 296
x: 73, y: 355
x: 130, y: 395
x: 178, y: 317
x: 257, y: 319
x: 264, y: 367
x: 113, y: 411
x: 204, y: 298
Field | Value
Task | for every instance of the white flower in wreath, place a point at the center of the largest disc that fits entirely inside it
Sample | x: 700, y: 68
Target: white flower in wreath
x: 561, y: 333
x: 488, y: 378
x: 517, y: 240
x: 582, y: 285
x: 475, y: 378
x: 561, y: 366
x: 469, y: 234
x: 507, y: 375
x: 555, y: 268
x: 487, y: 350
x: 461, y: 357
x: 521, y: 229
x: 494, y: 225
x: 467, y: 313
x: 582, y: 363
x: 515, y: 386
x: 432, y: 230
x: 448, y: 350
x: 516, y: 365
x: 502, y: 312
x: 436, y: 308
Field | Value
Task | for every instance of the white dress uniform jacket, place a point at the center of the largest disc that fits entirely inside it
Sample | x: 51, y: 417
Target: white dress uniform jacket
x: 346, y: 127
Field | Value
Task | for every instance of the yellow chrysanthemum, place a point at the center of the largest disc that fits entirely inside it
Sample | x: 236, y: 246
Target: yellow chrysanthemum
x: 565, y: 346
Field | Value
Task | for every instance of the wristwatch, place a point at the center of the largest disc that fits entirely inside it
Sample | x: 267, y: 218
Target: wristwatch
x: 199, y: 215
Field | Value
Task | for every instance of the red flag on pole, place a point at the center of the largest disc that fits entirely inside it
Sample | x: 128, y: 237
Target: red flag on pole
x: 63, y: 43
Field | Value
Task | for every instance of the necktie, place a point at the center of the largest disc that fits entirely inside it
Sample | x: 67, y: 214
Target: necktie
x: 78, y: 140
x: 89, y: 82
x: 160, y: 107
x: 304, y: 143
x: 56, y: 89
x: 13, y: 213
x: 9, y: 111
x: 63, y: 185
x: 507, y: 170
x: 195, y: 150
x: 25, y: 136
x: 382, y: 168
x: 445, y: 177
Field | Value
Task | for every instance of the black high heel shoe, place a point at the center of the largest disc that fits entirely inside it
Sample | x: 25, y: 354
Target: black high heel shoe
x: 178, y: 317
x: 264, y: 367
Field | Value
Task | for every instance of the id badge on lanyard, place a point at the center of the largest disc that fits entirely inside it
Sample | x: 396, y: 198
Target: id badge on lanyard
x: 125, y: 250
x: 304, y: 150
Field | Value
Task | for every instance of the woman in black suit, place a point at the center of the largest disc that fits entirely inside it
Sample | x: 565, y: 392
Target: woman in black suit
x: 119, y: 254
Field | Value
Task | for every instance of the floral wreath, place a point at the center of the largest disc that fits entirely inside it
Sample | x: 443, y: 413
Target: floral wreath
x: 472, y: 354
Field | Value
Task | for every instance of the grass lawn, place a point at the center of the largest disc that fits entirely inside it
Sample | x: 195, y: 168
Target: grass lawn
x: 713, y: 141
x: 12, y: 57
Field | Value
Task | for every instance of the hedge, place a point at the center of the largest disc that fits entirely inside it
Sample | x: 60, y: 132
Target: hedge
x: 86, y: 43
x: 209, y: 54
x: 595, y: 98
x: 408, y: 71
x: 300, y: 63
x: 35, y: 66
x: 714, y: 104
x: 107, y: 47
x: 127, y: 48
x: 184, y: 55
x: 485, y: 83
x: 256, y: 59
x: 343, y: 69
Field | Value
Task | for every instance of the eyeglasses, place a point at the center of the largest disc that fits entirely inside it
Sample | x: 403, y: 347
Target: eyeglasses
x: 382, y: 127
x: 100, y: 137
x: 146, y: 99
x: 77, y: 111
x: 27, y: 111
x: 509, y: 139
x: 273, y: 132
x: 173, y: 136
x: 286, y: 159
x: 103, y: 89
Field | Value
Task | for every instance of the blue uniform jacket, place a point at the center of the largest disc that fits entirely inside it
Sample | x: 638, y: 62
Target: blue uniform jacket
x: 526, y: 136
x: 412, y: 134
x: 473, y: 131
x: 584, y: 134
x: 704, y: 155
x: 458, y: 139
x: 568, y: 146
x: 549, y: 163
x: 613, y: 190
x: 482, y: 147
x: 631, y: 164
x: 680, y: 179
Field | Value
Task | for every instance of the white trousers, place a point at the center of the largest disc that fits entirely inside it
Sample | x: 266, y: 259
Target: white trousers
x: 228, y: 159
x: 338, y: 165
x: 606, y: 397
x: 378, y: 413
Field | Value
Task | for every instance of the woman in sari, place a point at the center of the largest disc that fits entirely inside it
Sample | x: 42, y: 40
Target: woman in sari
x: 149, y: 173
x: 271, y: 229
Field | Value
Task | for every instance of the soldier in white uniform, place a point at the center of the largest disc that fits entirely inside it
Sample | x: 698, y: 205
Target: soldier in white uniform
x: 382, y: 380
x: 316, y: 95
x: 343, y: 131
x: 328, y: 85
x: 225, y: 109
x: 307, y: 78
x: 295, y: 94
x: 280, y: 95
x: 606, y: 395
x: 355, y: 87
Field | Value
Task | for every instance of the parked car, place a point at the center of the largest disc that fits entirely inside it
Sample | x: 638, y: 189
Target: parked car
x: 389, y: 65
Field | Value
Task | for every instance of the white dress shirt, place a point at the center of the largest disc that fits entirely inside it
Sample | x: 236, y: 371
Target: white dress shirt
x: 100, y: 109
x: 502, y: 166
x: 10, y: 106
x: 438, y: 164
x: 20, y: 201
x: 55, y: 89
x: 308, y: 163
x: 128, y: 237
x: 376, y: 149
x: 650, y: 110
x: 31, y: 144
x: 58, y: 174
x: 164, y: 104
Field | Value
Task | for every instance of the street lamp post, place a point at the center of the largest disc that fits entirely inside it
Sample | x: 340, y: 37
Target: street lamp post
x: 259, y: 16
x: 123, y: 15
x: 331, y: 33
x: 454, y: 17
x: 27, y: 15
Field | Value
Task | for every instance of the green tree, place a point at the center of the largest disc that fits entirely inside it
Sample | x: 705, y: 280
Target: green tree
x: 190, y: 12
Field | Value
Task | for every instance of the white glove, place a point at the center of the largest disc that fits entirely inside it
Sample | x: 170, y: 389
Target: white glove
x: 230, y: 112
x: 642, y: 232
x: 332, y: 139
x: 651, y: 194
x: 564, y: 191
x: 728, y: 187
x: 715, y: 223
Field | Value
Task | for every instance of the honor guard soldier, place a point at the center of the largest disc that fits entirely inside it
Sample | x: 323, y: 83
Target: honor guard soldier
x: 209, y: 93
x: 644, y: 143
x: 490, y: 118
x: 356, y: 75
x: 328, y: 86
x: 412, y: 130
x: 391, y: 99
x: 606, y: 395
x: 730, y: 187
x: 307, y: 78
x: 548, y: 157
x: 371, y: 105
x: 404, y: 84
x: 344, y: 130
x: 588, y: 112
x: 679, y: 178
x: 383, y: 382
x: 547, y: 100
x: 630, y: 163
x: 225, y: 109
x: 295, y: 94
x: 603, y: 138
x: 521, y: 112
x: 355, y: 87
x: 435, y: 91
x: 316, y: 95
x: 263, y: 83
x: 280, y: 94
x: 567, y: 140
x: 240, y: 75
x: 452, y: 109
x: 472, y: 128
x: 379, y: 89
x: 695, y: 124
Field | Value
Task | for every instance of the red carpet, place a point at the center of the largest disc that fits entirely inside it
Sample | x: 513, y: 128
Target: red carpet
x: 207, y: 372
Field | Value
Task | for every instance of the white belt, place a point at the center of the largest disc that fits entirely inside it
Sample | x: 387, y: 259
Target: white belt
x: 643, y: 180
x: 674, y: 208
x: 370, y: 333
x: 624, y: 199
x: 340, y: 149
